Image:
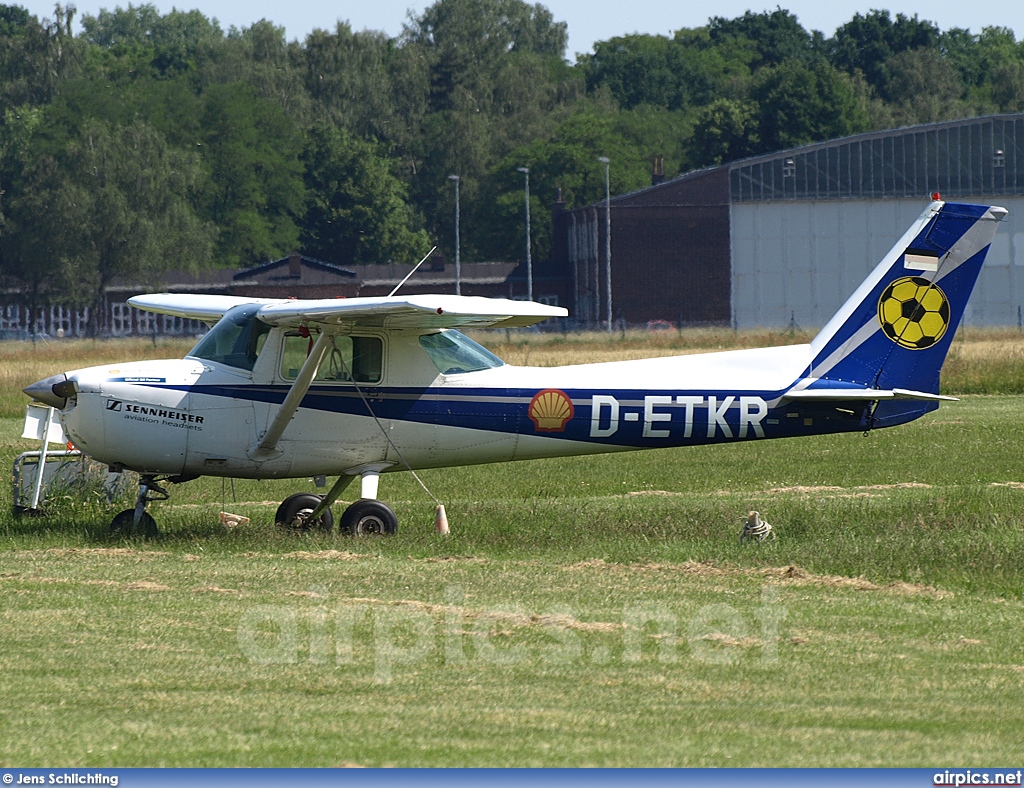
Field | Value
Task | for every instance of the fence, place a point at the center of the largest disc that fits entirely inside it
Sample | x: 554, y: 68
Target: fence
x: 123, y: 320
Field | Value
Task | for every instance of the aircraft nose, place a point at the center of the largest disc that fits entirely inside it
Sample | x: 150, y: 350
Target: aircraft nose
x: 53, y: 391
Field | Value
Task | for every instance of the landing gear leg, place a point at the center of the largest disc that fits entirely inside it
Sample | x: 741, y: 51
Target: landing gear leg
x: 368, y: 516
x: 137, y: 521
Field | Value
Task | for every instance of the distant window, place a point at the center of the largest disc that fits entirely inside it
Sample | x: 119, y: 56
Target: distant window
x: 348, y: 359
x: 236, y: 340
x: 120, y: 319
x: 453, y: 353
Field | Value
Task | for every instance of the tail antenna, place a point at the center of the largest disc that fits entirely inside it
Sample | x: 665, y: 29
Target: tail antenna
x: 414, y: 270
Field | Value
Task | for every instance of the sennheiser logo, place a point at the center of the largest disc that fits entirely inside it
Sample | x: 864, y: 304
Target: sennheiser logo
x: 113, y: 404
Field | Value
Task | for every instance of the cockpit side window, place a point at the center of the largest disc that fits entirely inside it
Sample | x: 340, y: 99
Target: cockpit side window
x: 453, y: 352
x: 348, y: 359
x: 236, y: 340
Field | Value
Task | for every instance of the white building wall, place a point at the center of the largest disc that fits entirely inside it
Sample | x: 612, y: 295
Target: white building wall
x: 800, y: 261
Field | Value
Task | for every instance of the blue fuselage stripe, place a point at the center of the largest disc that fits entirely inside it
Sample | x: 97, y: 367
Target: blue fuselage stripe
x: 624, y: 417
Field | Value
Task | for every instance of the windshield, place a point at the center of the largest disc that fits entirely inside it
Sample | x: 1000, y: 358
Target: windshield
x: 453, y: 353
x: 236, y: 340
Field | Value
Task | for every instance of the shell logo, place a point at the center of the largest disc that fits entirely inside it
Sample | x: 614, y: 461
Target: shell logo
x: 550, y: 410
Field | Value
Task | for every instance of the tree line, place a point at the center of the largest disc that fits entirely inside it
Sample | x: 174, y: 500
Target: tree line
x: 150, y: 142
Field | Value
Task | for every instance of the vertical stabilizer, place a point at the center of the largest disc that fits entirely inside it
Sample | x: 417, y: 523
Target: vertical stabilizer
x: 895, y: 331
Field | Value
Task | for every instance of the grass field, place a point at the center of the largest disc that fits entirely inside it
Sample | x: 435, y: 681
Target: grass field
x: 592, y: 611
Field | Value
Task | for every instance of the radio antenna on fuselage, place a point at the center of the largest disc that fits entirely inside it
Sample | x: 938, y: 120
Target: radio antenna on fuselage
x: 414, y: 270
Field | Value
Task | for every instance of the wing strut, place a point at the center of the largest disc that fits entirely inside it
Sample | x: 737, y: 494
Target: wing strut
x: 295, y: 394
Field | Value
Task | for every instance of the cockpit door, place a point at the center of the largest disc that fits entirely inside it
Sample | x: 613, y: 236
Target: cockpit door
x: 341, y: 422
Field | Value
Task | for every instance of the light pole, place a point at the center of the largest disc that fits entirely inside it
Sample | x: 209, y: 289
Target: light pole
x: 458, y: 267
x: 607, y: 238
x: 529, y: 262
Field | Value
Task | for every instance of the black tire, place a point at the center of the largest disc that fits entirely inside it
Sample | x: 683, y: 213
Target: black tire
x: 124, y: 525
x: 294, y: 511
x: 367, y: 517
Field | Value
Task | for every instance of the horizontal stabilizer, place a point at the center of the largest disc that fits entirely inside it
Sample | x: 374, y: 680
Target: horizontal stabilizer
x: 870, y: 395
x: 425, y: 311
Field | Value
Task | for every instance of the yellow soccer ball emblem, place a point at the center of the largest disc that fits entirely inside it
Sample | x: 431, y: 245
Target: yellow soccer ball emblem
x: 913, y: 312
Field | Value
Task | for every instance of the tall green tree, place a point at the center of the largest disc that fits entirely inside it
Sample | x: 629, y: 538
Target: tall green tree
x: 776, y: 36
x: 35, y: 56
x: 173, y: 43
x: 801, y: 103
x: 357, y: 211
x: 565, y: 163
x: 255, y: 193
x: 639, y: 69
x: 113, y: 202
x: 366, y: 84
x: 924, y: 87
x: 466, y: 42
x: 136, y: 218
x: 260, y: 57
x: 39, y: 214
x: 496, y: 81
x: 868, y: 41
x: 1008, y: 87
x: 725, y: 130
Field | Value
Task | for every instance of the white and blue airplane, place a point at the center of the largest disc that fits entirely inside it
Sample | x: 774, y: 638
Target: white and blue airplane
x: 363, y: 386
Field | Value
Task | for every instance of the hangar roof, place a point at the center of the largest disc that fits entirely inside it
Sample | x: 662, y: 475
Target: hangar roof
x: 958, y: 159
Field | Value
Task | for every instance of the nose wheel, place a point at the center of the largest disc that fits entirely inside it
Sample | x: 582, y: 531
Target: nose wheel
x: 137, y: 521
x: 125, y: 524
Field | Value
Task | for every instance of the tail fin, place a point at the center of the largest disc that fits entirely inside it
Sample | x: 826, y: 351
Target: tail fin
x: 895, y: 331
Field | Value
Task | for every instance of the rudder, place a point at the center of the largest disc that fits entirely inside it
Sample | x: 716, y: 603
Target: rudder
x: 895, y: 330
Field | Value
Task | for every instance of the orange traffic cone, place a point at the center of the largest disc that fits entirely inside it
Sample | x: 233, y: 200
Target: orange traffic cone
x: 440, y: 520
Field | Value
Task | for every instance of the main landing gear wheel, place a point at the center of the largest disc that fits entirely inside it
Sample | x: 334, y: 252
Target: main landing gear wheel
x: 124, y: 524
x: 368, y: 517
x: 295, y: 510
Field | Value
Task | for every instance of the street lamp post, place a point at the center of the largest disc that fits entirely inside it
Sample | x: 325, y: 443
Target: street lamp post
x: 458, y: 266
x: 607, y: 238
x: 529, y: 262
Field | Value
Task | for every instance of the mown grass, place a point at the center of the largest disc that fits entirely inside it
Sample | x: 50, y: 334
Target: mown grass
x: 896, y: 585
x: 590, y: 611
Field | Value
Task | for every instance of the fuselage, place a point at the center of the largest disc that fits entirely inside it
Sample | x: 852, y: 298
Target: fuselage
x: 292, y: 388
x: 417, y: 398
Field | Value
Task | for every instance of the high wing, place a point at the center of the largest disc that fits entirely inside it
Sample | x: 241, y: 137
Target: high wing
x: 427, y: 311
x: 208, y: 308
x: 424, y: 311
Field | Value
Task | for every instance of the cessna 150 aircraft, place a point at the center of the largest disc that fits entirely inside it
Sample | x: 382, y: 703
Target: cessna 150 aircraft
x: 363, y: 386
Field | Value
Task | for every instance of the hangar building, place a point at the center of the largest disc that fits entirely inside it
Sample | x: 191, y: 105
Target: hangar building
x: 787, y: 237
